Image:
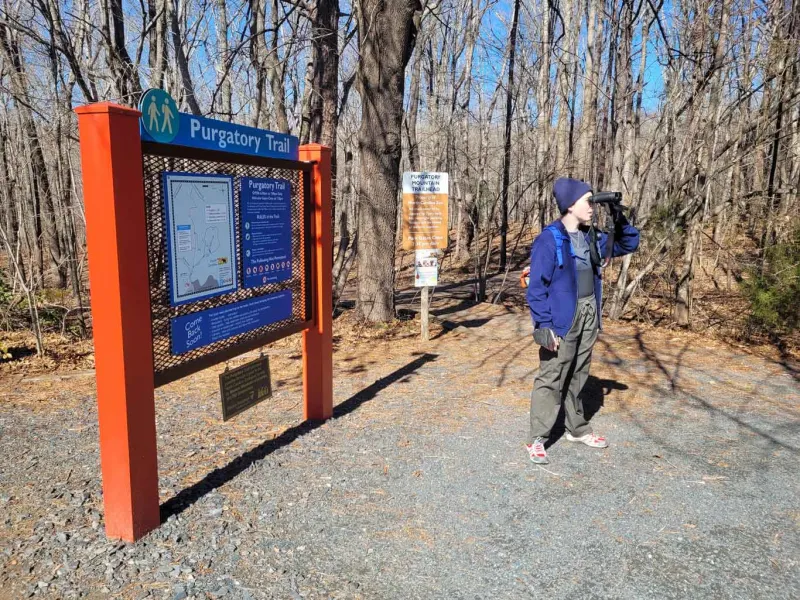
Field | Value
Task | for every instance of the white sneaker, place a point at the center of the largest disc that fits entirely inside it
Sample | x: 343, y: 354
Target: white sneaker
x: 590, y: 439
x: 536, y: 452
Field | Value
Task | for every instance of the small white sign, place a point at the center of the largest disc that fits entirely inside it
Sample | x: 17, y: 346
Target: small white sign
x: 426, y: 268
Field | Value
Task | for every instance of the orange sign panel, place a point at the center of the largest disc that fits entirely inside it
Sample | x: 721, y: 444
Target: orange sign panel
x: 425, y: 202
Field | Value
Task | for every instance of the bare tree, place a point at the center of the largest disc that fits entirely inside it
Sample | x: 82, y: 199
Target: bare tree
x: 40, y: 189
x: 512, y: 52
x: 387, y: 33
x: 690, y: 107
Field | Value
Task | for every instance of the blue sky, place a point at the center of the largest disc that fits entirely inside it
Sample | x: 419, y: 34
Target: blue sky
x: 487, y: 66
x: 498, y: 20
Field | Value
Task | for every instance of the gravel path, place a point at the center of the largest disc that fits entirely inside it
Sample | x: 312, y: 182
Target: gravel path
x: 420, y: 487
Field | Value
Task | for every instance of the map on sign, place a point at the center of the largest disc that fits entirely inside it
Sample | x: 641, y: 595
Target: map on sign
x: 201, y: 236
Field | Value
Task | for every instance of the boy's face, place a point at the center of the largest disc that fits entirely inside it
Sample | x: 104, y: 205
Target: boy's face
x: 582, y: 209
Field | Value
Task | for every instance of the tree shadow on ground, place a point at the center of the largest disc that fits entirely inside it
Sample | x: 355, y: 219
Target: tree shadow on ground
x: 593, y: 396
x: 219, y: 477
x: 20, y: 352
x: 789, y: 365
x: 469, y: 323
x: 663, y: 366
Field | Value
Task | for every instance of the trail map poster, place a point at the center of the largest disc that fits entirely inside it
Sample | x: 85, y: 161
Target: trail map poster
x: 201, y: 236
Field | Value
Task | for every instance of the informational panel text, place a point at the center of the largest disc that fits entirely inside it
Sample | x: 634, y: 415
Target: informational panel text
x: 425, y: 200
x: 266, y: 230
x: 214, y: 324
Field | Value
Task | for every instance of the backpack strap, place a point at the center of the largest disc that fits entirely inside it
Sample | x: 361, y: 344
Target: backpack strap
x: 559, y: 239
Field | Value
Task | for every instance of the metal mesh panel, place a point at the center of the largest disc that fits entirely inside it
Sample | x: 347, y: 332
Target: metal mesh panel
x: 160, y: 158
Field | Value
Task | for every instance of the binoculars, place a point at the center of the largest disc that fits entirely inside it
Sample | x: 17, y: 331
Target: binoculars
x: 606, y: 198
x: 613, y: 202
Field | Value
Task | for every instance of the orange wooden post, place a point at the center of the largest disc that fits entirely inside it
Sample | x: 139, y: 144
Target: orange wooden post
x: 111, y: 159
x: 318, y: 341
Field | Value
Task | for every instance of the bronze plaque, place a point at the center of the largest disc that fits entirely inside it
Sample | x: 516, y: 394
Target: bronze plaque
x: 244, y: 386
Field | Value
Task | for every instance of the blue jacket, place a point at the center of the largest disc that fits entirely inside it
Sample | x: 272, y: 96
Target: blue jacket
x: 553, y: 291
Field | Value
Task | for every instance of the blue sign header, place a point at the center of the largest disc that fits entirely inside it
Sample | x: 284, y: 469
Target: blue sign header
x: 210, y: 134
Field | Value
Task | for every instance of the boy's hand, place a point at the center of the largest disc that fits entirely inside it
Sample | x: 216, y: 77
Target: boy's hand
x: 546, y: 338
x: 523, y: 279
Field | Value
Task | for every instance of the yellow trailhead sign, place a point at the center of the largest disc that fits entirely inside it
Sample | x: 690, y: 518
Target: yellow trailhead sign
x: 425, y: 204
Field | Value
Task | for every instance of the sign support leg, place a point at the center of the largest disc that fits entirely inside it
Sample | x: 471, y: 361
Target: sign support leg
x: 318, y: 340
x: 111, y: 159
x: 424, y: 314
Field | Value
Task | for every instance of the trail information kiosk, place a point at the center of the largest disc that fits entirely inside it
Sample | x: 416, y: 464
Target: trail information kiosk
x: 206, y: 239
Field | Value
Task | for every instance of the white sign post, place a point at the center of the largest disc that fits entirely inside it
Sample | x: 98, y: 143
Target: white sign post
x: 426, y: 275
x: 425, y: 202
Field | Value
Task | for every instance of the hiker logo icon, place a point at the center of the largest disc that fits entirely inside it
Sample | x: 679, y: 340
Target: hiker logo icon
x: 160, y: 118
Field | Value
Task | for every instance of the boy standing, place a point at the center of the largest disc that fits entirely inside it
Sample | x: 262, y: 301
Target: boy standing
x: 564, y: 296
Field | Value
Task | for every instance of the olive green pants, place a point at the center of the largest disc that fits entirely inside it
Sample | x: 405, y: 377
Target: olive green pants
x: 562, y: 375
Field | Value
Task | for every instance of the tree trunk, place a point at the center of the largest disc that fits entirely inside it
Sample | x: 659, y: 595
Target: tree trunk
x: 594, y: 45
x: 344, y: 218
x: 512, y: 51
x: 126, y: 75
x: 180, y: 56
x: 683, y: 288
x: 258, y: 51
x: 325, y: 78
x: 467, y: 214
x: 324, y: 102
x: 413, y: 107
x: 635, y: 131
x: 41, y: 192
x: 276, y: 74
x: 621, y: 123
x: 544, y: 116
x: 157, y: 57
x: 606, y: 123
x: 61, y: 41
x: 223, y: 62
x: 387, y: 34
x: 564, y: 95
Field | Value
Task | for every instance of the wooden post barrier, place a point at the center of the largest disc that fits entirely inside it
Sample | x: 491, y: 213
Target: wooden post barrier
x: 116, y: 237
